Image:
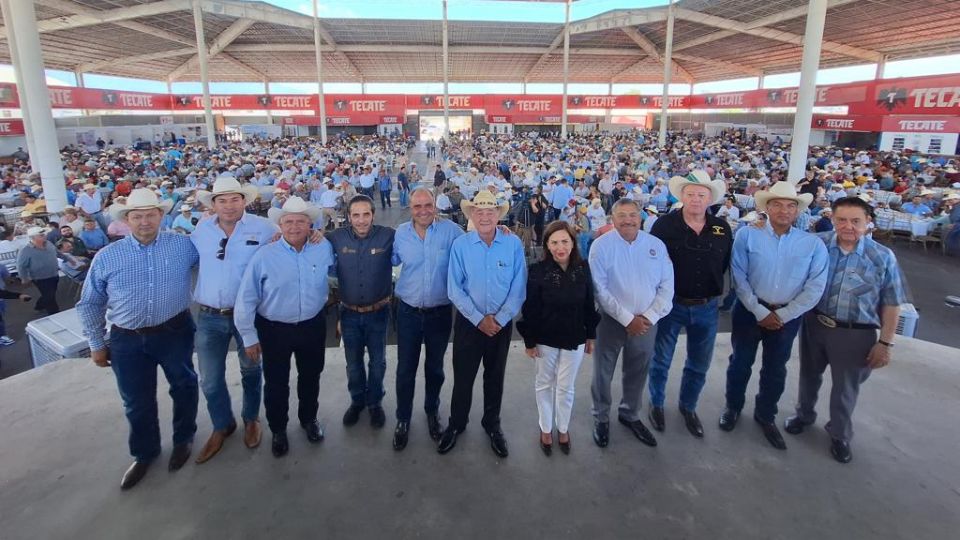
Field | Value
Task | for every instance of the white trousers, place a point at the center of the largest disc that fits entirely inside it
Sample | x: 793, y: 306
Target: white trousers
x: 554, y: 384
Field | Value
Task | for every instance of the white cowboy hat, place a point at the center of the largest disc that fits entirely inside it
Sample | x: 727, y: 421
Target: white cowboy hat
x: 652, y: 209
x: 698, y: 178
x: 36, y: 231
x: 782, y: 190
x: 186, y: 208
x: 140, y: 199
x: 225, y: 184
x: 952, y: 197
x: 294, y: 205
x: 749, y: 218
x: 484, y: 199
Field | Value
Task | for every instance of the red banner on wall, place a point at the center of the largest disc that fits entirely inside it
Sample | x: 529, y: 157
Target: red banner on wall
x: 11, y: 127
x: 434, y: 102
x: 845, y: 123
x: 921, y: 124
x: 916, y: 95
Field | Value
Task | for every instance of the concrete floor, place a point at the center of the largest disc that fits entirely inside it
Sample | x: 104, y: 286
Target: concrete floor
x: 64, y: 451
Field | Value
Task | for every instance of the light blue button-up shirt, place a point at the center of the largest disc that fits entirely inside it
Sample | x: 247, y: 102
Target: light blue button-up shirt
x: 140, y: 285
x: 790, y: 269
x: 632, y: 278
x: 219, y: 280
x: 487, y: 280
x: 283, y: 285
x: 423, y: 279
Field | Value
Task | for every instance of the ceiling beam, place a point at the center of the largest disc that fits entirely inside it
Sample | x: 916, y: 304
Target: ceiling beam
x: 618, y: 19
x: 775, y: 35
x: 161, y: 55
x: 435, y: 49
x: 648, y: 47
x: 257, y: 11
x: 732, y: 66
x: 244, y: 66
x: 619, y: 76
x: 91, y: 17
x: 546, y: 54
x: 225, y: 38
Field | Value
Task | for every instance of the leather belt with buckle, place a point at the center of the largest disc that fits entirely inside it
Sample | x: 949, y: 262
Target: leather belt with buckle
x: 165, y: 325
x: 425, y: 309
x: 692, y: 301
x: 830, y: 322
x: 226, y: 312
x: 771, y: 307
x: 368, y: 308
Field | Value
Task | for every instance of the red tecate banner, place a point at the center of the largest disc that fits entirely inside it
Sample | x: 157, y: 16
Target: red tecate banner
x: 377, y: 105
x: 779, y: 97
x: 845, y: 123
x: 11, y: 127
x: 916, y: 95
x: 303, y: 102
x: 334, y: 119
x: 500, y: 104
x: 921, y: 124
x: 542, y: 119
x: 434, y: 102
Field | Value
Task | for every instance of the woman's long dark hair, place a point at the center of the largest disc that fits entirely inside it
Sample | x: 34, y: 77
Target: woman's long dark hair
x: 560, y: 225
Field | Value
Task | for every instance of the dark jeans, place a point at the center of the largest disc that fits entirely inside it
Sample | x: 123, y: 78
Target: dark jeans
x: 365, y: 332
x: 470, y: 348
x: 305, y: 342
x: 385, y: 199
x: 48, y: 294
x: 746, y: 338
x: 134, y: 359
x: 701, y: 325
x: 430, y: 328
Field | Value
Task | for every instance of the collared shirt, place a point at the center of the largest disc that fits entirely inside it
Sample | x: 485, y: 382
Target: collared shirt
x: 91, y: 204
x: 487, y: 280
x: 859, y: 283
x: 366, y: 181
x: 699, y: 260
x: 219, y: 280
x: 423, y: 279
x: 561, y: 196
x: 790, y: 269
x: 139, y: 285
x: 364, y: 272
x: 284, y: 285
x: 328, y: 199
x: 632, y: 278
x: 916, y: 209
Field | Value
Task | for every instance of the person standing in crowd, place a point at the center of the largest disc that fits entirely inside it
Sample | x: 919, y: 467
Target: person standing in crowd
x: 486, y: 281
x: 226, y: 242
x: 558, y: 327
x: 38, y: 263
x: 699, y: 245
x: 364, y: 272
x: 280, y: 313
x: 559, y: 198
x: 439, y: 179
x: 93, y: 236
x: 863, y: 294
x: 779, y: 273
x: 144, y: 280
x: 385, y: 185
x: 403, y: 183
x: 90, y: 204
x: 424, y: 313
x: 633, y: 278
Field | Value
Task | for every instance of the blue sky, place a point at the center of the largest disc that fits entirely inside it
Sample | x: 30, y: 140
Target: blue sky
x: 501, y: 11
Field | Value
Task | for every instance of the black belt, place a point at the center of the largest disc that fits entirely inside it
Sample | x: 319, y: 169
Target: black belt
x: 170, y: 324
x: 692, y: 301
x: 226, y: 312
x: 771, y: 307
x: 830, y: 322
x: 277, y: 324
x: 425, y: 309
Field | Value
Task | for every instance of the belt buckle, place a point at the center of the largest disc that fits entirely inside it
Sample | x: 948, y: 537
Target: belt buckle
x: 826, y: 321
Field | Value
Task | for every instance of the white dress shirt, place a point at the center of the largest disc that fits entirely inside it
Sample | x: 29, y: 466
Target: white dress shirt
x: 632, y: 278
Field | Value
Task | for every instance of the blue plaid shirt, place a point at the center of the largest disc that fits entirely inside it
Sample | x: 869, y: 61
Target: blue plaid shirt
x: 140, y: 285
x: 860, y: 282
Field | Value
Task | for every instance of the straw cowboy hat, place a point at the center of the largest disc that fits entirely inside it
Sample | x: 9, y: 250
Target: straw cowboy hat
x: 782, y: 190
x: 294, y: 205
x: 484, y: 199
x: 698, y: 178
x: 140, y: 199
x: 225, y: 184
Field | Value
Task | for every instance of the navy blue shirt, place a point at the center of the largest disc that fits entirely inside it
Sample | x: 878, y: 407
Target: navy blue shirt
x: 363, y: 265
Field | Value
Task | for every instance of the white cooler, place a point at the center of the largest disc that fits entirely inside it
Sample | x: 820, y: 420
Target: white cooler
x: 57, y: 337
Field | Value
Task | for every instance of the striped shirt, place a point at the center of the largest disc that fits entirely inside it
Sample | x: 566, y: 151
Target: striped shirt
x: 139, y: 285
x: 859, y: 283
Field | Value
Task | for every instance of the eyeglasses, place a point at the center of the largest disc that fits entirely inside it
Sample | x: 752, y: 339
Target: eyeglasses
x: 223, y: 248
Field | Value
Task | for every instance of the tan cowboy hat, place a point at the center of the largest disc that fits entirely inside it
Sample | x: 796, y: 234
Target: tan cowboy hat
x: 294, y: 205
x: 782, y: 190
x: 484, y: 199
x: 225, y: 184
x: 140, y: 199
x: 698, y: 178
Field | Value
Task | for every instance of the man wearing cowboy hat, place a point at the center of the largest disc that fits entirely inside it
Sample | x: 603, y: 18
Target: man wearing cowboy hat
x: 779, y: 273
x: 37, y: 262
x: 90, y: 204
x: 486, y: 281
x: 699, y: 247
x: 280, y: 312
x: 651, y: 215
x: 144, y: 280
x: 226, y: 242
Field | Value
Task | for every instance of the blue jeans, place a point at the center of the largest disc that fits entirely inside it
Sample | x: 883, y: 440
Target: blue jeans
x: 404, y: 198
x: 365, y: 331
x: 134, y: 359
x: 584, y: 240
x: 746, y: 338
x: 214, y: 333
x: 430, y: 328
x: 701, y: 325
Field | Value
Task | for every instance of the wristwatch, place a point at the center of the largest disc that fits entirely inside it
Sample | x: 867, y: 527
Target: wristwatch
x: 886, y: 344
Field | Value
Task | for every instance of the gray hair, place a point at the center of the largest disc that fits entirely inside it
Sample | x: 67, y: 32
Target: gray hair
x: 623, y: 201
x: 423, y: 190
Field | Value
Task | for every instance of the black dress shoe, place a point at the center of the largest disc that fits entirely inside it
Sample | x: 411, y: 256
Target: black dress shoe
x: 639, y: 430
x: 498, y: 443
x: 134, y: 474
x: 728, y: 420
x: 400, y: 435
x: 280, y: 444
x: 377, y: 417
x: 656, y: 418
x: 179, y: 456
x: 772, y: 434
x: 352, y: 415
x: 564, y: 446
x: 314, y: 431
x: 841, y: 450
x: 601, y: 434
x: 547, y: 448
x: 433, y: 425
x: 692, y: 422
x: 794, y: 425
x: 448, y: 440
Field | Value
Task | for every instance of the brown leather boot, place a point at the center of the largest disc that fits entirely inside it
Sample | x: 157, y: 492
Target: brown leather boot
x: 214, y: 444
x: 252, y: 433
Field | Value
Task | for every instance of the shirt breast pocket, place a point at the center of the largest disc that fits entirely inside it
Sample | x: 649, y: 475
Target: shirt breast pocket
x: 857, y: 284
